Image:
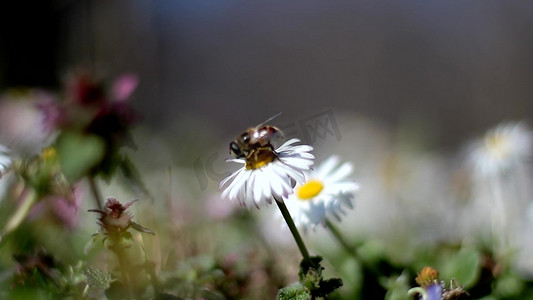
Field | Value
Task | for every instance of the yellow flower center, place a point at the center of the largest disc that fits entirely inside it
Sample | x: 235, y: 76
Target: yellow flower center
x: 259, y: 157
x: 48, y: 153
x: 310, y: 189
x: 497, y: 145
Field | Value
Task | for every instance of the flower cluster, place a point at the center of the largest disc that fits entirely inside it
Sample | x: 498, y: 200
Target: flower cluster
x: 44, y: 174
x: 90, y: 106
x: 285, y: 174
x: 433, y: 289
x: 92, y: 113
x: 62, y: 208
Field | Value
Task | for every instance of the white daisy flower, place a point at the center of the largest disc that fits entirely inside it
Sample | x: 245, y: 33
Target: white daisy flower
x: 327, y: 192
x: 496, y: 160
x: 268, y: 174
x: 5, y: 159
x: 501, y: 149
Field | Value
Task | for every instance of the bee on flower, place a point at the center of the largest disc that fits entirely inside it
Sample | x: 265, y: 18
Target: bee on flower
x: 268, y: 171
x: 328, y: 192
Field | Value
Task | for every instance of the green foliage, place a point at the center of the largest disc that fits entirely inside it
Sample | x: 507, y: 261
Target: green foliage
x: 397, y: 287
x: 311, y: 281
x: 140, y: 228
x: 308, y: 267
x: 464, y: 266
x: 193, y: 278
x: 97, y: 278
x: 509, y: 286
x: 79, y: 153
x: 181, y: 263
x: 294, y: 291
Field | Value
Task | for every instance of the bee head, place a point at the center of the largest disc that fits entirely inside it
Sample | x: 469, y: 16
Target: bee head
x: 235, y: 150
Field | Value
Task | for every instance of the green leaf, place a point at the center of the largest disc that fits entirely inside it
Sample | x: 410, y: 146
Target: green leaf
x: 140, y: 228
x: 93, y: 242
x: 463, y: 266
x: 508, y: 286
x: 78, y: 153
x: 294, y: 292
x: 398, y: 287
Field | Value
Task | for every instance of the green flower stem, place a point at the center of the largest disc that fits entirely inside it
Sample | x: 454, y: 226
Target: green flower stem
x: 499, y: 220
x: 418, y: 290
x: 96, y: 192
x: 294, y: 230
x: 124, y: 273
x: 123, y: 264
x: 338, y: 236
x: 26, y: 199
x: 348, y: 248
x: 150, y: 269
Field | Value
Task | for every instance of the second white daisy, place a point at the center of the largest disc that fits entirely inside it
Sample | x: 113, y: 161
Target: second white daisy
x: 327, y: 193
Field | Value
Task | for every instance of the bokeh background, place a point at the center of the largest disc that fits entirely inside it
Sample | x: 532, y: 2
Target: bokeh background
x: 463, y: 65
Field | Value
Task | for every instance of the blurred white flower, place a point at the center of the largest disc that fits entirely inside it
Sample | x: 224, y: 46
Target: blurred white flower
x: 327, y: 192
x: 5, y: 159
x: 5, y: 164
x: 21, y: 121
x: 270, y: 176
x: 499, y: 169
x: 501, y: 149
x: 64, y: 209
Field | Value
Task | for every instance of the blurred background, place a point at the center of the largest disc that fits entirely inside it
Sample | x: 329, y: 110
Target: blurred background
x: 398, y: 88
x: 462, y: 66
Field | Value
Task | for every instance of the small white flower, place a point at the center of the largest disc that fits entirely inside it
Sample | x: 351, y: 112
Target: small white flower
x: 328, y: 192
x: 21, y: 121
x: 269, y: 176
x: 501, y: 149
x: 5, y: 159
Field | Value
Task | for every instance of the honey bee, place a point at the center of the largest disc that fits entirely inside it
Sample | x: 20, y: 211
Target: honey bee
x: 259, y: 137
